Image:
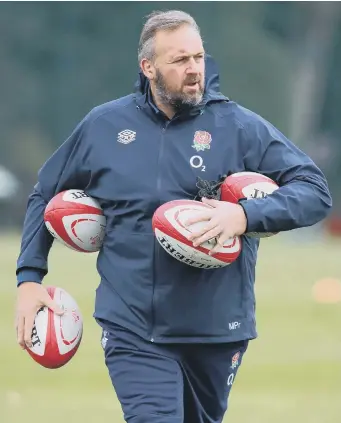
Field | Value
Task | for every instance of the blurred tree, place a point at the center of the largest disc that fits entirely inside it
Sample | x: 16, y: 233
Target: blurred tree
x: 60, y: 59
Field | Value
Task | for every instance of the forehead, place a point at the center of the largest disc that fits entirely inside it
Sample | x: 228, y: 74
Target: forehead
x: 185, y: 40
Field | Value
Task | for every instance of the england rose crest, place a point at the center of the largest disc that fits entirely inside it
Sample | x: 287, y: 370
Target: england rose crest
x: 202, y: 140
x: 235, y: 360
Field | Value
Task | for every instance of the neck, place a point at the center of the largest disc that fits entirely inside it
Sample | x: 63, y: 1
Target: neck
x: 167, y: 109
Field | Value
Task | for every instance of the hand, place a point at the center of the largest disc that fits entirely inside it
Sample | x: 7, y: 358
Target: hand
x: 31, y: 297
x: 224, y: 221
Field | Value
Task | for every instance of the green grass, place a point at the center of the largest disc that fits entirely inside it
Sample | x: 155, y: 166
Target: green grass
x: 291, y: 373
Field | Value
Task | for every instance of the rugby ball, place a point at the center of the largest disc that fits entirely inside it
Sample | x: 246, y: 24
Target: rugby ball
x: 248, y: 185
x: 76, y: 220
x: 169, y: 226
x: 55, y: 339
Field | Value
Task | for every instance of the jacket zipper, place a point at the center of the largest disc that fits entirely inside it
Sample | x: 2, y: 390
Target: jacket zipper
x: 158, y: 189
x: 158, y: 183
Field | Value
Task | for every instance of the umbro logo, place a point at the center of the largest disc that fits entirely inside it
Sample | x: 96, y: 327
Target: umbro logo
x: 126, y: 136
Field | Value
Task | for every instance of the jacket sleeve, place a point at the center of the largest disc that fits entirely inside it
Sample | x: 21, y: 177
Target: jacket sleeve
x: 303, y: 198
x: 67, y: 168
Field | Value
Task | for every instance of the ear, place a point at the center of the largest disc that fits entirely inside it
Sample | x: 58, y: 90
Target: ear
x: 148, y: 69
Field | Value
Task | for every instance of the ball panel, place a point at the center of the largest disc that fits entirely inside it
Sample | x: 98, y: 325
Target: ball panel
x: 49, y: 358
x: 170, y: 220
x: 39, y: 332
x: 259, y: 189
x: 86, y: 231
x: 78, y: 224
x: 169, y: 223
x: 51, y: 353
x: 186, y: 254
x: 248, y: 185
x: 242, y: 174
x: 178, y: 215
x: 54, y: 233
x: 229, y: 194
x: 67, y: 200
x: 77, y: 196
x: 165, y: 220
x: 69, y: 326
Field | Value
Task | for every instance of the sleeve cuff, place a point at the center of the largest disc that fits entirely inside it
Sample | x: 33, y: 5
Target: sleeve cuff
x: 253, y: 216
x: 30, y: 275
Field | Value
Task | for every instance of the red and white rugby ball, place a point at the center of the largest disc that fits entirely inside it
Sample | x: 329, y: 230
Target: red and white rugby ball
x: 169, y: 225
x: 55, y: 339
x: 76, y: 220
x: 248, y: 185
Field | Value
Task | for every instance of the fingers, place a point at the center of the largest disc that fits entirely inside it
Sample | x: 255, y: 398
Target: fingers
x: 29, y: 323
x: 206, y: 236
x: 212, y: 225
x: 219, y: 224
x: 20, y: 331
x: 221, y: 239
x: 200, y: 217
x: 31, y: 297
x: 219, y: 244
x: 24, y: 326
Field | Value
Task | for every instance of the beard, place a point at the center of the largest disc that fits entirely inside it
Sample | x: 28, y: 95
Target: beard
x: 177, y: 99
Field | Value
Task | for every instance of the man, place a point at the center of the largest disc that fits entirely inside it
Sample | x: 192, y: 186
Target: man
x: 173, y: 335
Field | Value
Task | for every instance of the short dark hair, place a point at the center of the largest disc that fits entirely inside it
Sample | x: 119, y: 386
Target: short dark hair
x: 170, y: 20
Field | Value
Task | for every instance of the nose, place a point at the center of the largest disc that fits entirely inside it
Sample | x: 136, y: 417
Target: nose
x: 193, y: 66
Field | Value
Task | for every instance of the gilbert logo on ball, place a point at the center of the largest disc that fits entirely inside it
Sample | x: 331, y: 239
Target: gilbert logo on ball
x: 55, y: 339
x: 76, y: 220
x: 169, y: 225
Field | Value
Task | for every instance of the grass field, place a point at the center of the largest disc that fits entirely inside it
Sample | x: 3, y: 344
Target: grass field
x: 291, y: 373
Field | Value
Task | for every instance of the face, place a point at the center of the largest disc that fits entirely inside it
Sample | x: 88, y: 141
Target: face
x: 177, y: 73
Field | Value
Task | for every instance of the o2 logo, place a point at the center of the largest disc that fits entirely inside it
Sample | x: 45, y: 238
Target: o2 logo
x: 230, y: 379
x: 198, y: 163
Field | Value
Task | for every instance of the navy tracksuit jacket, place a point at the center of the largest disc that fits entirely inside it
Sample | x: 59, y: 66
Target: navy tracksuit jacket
x: 142, y: 287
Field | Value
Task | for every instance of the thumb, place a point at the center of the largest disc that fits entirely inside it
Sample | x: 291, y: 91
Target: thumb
x: 210, y: 202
